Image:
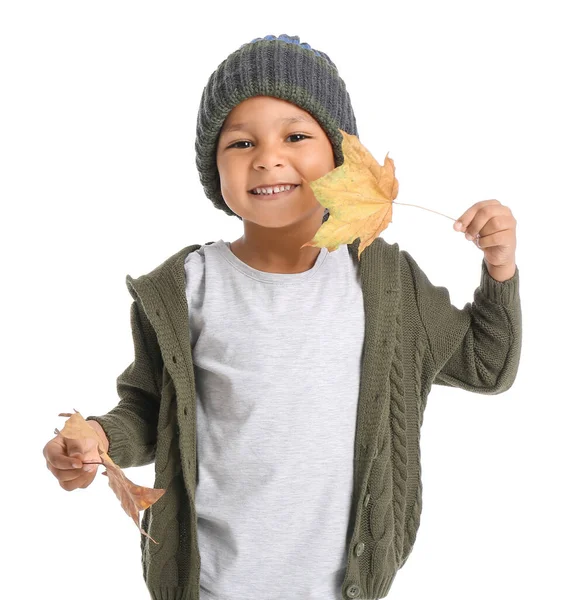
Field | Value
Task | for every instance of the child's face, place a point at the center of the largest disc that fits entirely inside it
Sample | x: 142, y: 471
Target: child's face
x: 266, y: 149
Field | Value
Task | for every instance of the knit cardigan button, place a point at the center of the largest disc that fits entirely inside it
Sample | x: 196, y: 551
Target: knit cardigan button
x: 367, y: 498
x: 353, y: 591
x: 359, y: 548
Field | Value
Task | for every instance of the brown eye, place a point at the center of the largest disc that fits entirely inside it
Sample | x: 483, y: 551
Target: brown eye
x: 293, y: 135
x: 235, y: 144
x: 298, y: 135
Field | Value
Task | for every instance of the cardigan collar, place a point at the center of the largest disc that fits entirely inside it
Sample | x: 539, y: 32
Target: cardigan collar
x: 162, y: 294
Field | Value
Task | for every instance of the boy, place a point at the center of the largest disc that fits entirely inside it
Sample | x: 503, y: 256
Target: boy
x: 289, y: 445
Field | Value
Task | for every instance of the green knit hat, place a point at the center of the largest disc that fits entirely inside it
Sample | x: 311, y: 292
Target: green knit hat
x: 280, y: 67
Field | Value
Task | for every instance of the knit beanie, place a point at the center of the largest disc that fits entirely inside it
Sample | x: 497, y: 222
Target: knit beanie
x: 281, y: 67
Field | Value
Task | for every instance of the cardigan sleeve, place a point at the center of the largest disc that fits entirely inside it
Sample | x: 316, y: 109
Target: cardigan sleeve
x: 477, y: 348
x: 131, y: 426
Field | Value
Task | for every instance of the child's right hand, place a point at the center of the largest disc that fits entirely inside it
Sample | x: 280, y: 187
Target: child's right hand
x: 62, y: 453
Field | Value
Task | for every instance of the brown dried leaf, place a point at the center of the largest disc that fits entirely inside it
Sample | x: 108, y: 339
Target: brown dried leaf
x: 133, y: 498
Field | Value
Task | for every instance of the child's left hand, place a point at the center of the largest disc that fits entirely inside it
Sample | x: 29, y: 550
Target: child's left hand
x: 492, y: 228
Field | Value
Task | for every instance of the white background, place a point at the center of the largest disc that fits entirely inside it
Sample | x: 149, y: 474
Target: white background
x: 97, y: 180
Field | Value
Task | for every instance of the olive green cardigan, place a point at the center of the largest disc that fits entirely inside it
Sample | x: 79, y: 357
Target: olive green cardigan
x: 414, y: 337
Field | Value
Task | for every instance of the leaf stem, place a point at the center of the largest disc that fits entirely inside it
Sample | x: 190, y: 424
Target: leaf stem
x: 424, y: 208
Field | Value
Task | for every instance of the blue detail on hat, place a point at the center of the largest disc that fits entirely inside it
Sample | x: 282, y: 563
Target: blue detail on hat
x: 290, y: 39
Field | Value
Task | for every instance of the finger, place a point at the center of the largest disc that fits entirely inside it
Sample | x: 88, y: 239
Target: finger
x: 490, y: 220
x: 79, y: 448
x: 69, y: 474
x: 55, y: 453
x: 89, y: 465
x: 82, y: 481
x: 470, y: 213
x: 500, y: 238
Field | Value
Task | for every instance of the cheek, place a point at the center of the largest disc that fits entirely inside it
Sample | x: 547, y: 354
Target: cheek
x: 319, y: 162
x: 318, y: 169
x: 232, y: 180
x: 224, y: 169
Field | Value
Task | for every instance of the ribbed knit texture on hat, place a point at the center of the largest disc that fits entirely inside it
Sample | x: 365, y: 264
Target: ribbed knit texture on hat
x: 281, y: 67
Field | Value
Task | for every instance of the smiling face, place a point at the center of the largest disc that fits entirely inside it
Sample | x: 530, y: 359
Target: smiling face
x: 265, y: 141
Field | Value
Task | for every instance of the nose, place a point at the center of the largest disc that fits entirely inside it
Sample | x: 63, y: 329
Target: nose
x: 267, y: 157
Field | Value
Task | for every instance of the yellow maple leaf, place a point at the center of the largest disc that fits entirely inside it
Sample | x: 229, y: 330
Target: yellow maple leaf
x: 359, y: 195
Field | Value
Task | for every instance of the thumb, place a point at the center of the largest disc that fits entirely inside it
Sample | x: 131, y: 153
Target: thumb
x: 80, y: 447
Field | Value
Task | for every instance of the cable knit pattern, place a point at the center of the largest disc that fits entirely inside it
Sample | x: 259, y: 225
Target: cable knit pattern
x: 414, y: 338
x: 414, y: 509
x: 398, y: 436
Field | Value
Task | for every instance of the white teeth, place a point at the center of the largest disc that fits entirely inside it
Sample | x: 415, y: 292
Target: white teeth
x: 272, y: 190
